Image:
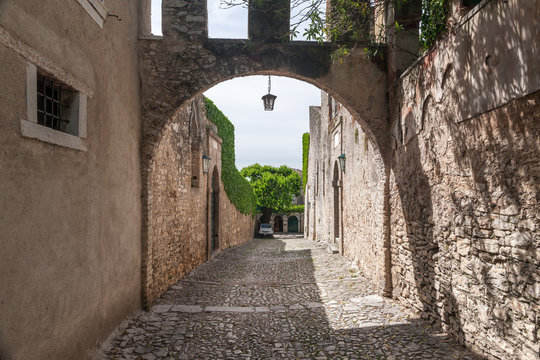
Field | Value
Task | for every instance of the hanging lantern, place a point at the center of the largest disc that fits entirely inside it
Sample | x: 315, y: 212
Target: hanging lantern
x: 269, y: 99
x: 205, y: 164
x: 341, y: 159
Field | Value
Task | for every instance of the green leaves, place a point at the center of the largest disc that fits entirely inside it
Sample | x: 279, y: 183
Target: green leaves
x: 433, y: 21
x: 238, y: 189
x: 305, y: 157
x: 274, y: 187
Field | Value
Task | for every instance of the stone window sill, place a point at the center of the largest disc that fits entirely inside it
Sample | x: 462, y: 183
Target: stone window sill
x: 32, y: 130
x: 96, y: 9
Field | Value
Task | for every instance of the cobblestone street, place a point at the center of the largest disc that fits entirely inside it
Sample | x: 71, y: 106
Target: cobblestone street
x: 281, y: 298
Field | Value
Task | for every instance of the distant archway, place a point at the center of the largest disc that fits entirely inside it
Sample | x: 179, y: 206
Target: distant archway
x: 292, y: 224
x: 278, y: 224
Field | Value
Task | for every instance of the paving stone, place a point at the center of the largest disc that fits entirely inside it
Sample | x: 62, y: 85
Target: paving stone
x: 281, y: 298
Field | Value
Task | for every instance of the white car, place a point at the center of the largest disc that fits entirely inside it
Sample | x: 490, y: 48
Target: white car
x: 266, y: 230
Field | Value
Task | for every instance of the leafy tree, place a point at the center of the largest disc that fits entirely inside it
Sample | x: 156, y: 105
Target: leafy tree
x: 274, y: 187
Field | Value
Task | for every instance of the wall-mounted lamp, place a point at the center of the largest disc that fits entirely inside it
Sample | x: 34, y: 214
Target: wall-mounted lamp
x: 205, y: 164
x: 341, y: 159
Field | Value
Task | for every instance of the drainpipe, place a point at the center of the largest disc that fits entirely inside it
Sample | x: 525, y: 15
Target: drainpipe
x: 387, y: 245
x: 342, y: 230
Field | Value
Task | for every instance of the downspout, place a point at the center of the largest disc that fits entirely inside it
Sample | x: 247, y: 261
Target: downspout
x: 342, y: 230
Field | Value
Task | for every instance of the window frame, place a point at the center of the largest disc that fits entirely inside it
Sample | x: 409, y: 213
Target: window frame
x: 30, y: 127
x: 96, y: 9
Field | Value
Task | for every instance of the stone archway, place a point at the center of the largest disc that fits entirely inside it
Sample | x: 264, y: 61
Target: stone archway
x: 184, y: 63
x: 278, y: 223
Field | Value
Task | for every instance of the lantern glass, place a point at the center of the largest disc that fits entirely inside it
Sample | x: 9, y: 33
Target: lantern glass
x: 268, y: 101
x: 205, y: 164
x: 341, y: 159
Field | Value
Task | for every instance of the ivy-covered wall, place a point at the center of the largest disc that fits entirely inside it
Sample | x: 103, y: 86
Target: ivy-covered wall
x: 238, y: 189
x: 305, y: 156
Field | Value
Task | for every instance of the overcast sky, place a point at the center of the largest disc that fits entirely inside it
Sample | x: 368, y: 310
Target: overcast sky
x: 266, y: 137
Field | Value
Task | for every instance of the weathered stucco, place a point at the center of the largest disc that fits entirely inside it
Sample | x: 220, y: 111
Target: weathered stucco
x: 69, y: 220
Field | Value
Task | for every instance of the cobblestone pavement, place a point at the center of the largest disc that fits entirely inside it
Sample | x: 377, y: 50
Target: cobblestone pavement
x: 281, y: 298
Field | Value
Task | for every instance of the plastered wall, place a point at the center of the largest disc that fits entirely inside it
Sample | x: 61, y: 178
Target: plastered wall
x: 69, y: 219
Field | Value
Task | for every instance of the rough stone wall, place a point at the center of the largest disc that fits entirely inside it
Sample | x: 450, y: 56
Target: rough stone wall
x: 464, y: 186
x: 334, y: 131
x: 236, y: 228
x: 69, y: 219
x: 176, y: 214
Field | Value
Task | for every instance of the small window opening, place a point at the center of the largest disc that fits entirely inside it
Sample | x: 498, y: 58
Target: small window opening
x: 305, y: 14
x: 156, y: 18
x: 227, y: 21
x: 57, y: 105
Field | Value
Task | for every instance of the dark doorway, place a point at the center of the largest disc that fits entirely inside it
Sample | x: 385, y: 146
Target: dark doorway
x: 335, y: 184
x: 293, y: 224
x: 214, y: 212
x: 278, y: 224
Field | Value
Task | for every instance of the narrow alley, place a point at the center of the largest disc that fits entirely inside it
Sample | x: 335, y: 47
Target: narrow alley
x: 281, y: 298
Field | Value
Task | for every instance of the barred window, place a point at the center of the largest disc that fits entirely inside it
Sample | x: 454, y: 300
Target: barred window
x: 57, y: 105
x: 56, y: 112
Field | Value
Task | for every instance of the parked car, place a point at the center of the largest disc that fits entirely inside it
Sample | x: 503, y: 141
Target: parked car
x: 266, y: 230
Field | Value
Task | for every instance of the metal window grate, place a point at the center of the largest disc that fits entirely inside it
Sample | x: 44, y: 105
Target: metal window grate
x: 49, y: 102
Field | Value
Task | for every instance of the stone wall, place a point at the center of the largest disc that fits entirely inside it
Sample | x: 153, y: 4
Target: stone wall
x: 176, y: 200
x: 69, y: 218
x: 356, y: 226
x: 464, y: 185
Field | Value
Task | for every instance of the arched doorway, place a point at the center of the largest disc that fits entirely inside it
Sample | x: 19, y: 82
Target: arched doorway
x: 335, y: 185
x: 278, y: 224
x: 214, y: 212
x: 293, y: 224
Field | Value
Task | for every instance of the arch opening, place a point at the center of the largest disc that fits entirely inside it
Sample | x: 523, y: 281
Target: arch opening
x: 157, y: 127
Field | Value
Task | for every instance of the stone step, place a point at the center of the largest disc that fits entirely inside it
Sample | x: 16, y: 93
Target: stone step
x: 333, y: 249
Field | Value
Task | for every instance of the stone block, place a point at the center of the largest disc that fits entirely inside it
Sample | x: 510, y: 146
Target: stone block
x: 518, y: 240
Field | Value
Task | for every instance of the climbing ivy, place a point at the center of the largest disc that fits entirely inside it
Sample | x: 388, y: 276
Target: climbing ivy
x: 433, y: 21
x: 238, y: 189
x: 305, y: 155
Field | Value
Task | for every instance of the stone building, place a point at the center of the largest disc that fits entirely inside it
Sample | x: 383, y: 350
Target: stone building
x: 103, y: 202
x: 345, y: 206
x: 452, y: 209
